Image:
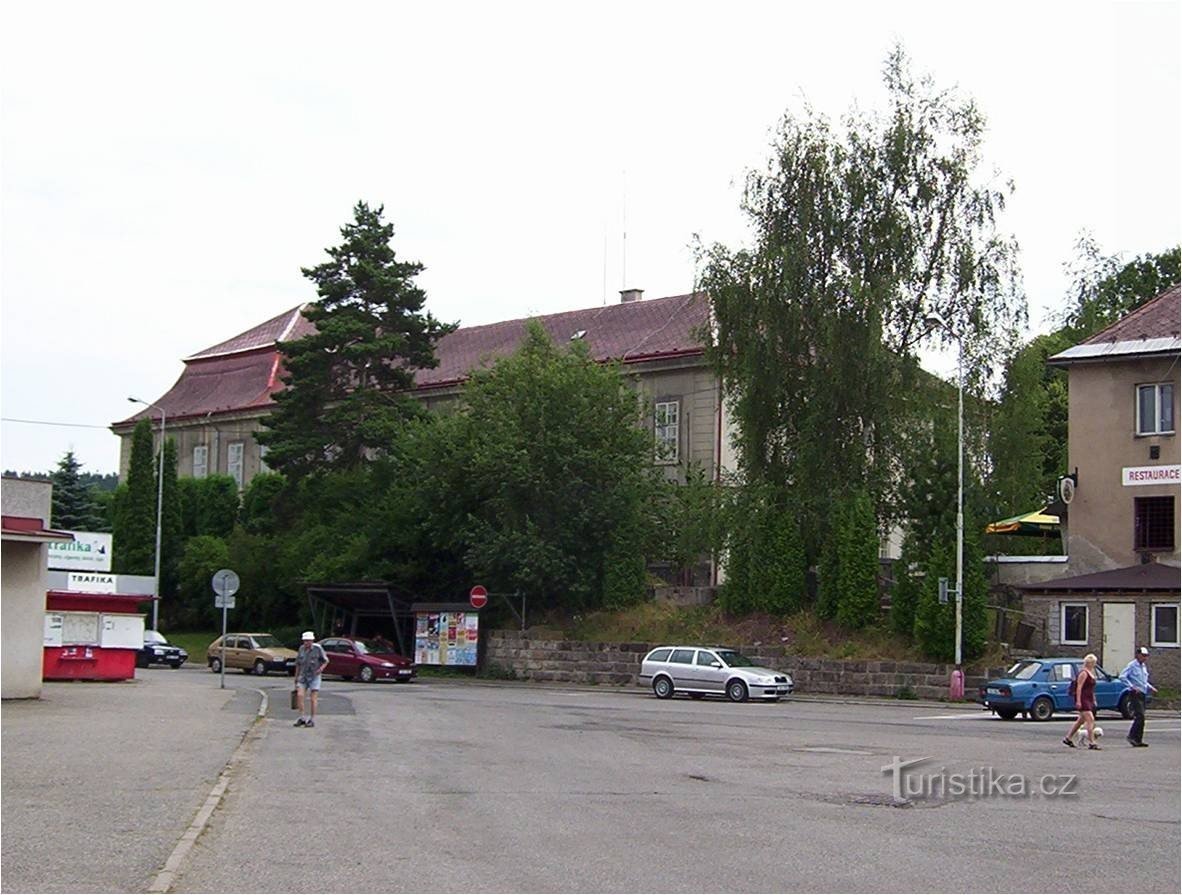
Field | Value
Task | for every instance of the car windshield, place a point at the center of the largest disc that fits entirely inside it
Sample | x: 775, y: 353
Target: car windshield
x: 734, y: 660
x: 373, y: 646
x: 1024, y: 671
x: 153, y: 637
x: 266, y: 641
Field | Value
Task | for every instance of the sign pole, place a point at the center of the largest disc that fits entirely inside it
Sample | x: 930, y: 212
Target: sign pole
x: 225, y: 584
x: 223, y: 641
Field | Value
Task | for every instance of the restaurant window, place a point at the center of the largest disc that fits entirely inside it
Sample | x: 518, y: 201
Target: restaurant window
x: 1165, y: 624
x: 1074, y: 623
x: 1155, y: 409
x: 1153, y: 523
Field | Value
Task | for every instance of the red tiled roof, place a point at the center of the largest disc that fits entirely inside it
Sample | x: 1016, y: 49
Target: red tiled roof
x: 639, y: 330
x: 1147, y: 576
x: 243, y: 372
x: 1156, y: 319
x: 287, y: 327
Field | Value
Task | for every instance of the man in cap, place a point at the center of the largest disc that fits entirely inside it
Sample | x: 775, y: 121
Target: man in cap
x: 311, y: 660
x: 1136, y: 678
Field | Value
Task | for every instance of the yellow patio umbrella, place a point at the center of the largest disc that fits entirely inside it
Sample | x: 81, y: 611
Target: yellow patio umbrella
x: 1034, y: 523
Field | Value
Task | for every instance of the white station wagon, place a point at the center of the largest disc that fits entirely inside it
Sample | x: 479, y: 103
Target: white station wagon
x: 710, y: 671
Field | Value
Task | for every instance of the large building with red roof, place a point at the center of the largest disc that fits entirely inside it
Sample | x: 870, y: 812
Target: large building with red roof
x: 1121, y: 532
x: 226, y: 391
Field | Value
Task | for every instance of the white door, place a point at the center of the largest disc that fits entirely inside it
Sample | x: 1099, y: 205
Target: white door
x: 1119, y: 636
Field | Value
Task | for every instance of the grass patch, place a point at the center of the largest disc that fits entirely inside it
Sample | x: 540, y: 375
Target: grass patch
x: 195, y: 643
x: 801, y: 634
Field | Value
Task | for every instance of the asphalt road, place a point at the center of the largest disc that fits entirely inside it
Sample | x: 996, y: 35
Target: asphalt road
x: 442, y: 786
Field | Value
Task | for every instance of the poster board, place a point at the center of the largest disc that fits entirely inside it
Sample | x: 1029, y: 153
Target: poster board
x: 446, y: 638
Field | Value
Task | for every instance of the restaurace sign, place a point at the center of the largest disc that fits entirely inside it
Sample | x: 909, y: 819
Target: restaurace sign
x: 1150, y: 475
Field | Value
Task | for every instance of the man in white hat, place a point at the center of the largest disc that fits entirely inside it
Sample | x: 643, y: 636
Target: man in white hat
x: 311, y: 660
x: 1136, y: 678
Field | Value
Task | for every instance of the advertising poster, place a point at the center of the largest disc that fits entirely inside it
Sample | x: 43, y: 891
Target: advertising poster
x: 446, y: 638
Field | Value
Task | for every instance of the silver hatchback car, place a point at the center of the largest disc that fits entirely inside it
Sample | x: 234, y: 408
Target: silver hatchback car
x: 701, y: 671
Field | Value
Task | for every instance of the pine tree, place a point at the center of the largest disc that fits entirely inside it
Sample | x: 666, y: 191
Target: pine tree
x: 74, y: 508
x: 346, y: 398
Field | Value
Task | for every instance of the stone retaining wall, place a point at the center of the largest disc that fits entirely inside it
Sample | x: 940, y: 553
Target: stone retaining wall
x: 579, y: 662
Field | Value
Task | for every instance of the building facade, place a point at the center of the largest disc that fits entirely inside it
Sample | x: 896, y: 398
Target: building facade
x: 1120, y: 504
x: 225, y: 392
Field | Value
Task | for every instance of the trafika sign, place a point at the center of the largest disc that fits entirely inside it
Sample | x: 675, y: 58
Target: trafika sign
x: 478, y: 596
x: 90, y: 551
x: 91, y: 583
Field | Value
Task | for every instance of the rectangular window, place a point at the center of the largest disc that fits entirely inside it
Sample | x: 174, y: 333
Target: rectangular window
x: 1165, y: 624
x: 234, y: 461
x: 200, y: 461
x: 1074, y: 623
x: 667, y: 430
x: 1155, y: 409
x: 1153, y: 523
x: 683, y: 656
x: 263, y: 467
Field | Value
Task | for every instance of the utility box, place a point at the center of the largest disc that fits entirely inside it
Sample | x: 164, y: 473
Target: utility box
x: 91, y: 637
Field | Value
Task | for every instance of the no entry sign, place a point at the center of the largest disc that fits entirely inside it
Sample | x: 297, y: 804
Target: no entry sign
x: 478, y: 596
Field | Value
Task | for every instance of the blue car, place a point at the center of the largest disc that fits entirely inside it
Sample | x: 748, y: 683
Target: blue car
x: 1037, y: 688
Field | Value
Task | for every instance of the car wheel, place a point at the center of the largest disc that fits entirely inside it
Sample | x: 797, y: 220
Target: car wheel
x: 1126, y: 707
x: 736, y: 691
x: 366, y: 674
x: 1007, y: 714
x: 1042, y: 709
x: 260, y: 667
x: 663, y: 687
x: 141, y: 663
x: 215, y: 665
x: 176, y: 665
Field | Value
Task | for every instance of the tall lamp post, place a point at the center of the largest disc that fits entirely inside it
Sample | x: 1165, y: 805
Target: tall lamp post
x: 159, y: 505
x: 937, y: 321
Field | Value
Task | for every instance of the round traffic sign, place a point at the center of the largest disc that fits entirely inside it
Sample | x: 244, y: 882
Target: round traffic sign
x: 225, y: 582
x: 478, y: 596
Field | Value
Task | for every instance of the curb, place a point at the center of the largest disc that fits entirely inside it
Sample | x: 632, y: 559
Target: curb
x: 172, y: 867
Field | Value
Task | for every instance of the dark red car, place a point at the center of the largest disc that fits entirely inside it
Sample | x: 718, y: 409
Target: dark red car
x: 366, y: 660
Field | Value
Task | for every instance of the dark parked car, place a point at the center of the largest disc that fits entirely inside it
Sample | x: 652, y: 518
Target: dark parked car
x: 366, y: 660
x: 1037, y: 688
x: 158, y: 651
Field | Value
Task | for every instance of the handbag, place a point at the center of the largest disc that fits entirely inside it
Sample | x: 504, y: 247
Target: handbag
x: 295, y: 698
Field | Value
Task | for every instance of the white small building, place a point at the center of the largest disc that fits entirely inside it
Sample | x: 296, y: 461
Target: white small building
x: 25, y: 539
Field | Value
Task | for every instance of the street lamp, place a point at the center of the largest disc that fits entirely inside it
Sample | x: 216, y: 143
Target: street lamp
x: 159, y: 504
x: 935, y: 320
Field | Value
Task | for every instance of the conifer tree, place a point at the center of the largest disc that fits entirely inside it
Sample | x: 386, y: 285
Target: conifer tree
x: 345, y: 398
x: 134, y: 540
x: 74, y: 508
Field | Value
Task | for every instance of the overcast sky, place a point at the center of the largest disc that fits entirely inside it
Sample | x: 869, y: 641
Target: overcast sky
x: 167, y: 170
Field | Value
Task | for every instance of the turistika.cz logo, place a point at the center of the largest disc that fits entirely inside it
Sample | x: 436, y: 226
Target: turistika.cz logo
x: 978, y: 783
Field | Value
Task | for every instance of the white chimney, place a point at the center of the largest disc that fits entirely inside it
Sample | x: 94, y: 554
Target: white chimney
x: 630, y: 295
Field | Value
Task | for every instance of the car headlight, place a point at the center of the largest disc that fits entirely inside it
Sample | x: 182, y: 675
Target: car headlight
x: 765, y: 680
x: 158, y: 652
x: 387, y: 664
